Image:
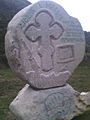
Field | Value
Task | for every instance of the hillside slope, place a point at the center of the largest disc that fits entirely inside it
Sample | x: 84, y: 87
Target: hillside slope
x: 8, y: 8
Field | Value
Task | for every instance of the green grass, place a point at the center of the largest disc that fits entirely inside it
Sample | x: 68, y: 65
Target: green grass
x: 10, y: 86
x: 80, y: 79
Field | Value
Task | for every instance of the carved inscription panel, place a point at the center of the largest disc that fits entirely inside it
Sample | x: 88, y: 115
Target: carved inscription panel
x: 65, y: 53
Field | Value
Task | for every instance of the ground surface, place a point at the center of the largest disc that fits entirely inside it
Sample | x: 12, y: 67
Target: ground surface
x: 10, y: 86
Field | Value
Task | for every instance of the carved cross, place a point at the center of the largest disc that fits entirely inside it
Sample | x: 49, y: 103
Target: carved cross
x: 45, y: 29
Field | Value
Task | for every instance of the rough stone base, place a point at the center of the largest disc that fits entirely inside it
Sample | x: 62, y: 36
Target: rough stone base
x: 60, y: 103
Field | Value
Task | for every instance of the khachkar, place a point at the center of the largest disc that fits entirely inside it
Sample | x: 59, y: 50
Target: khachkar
x: 43, y: 46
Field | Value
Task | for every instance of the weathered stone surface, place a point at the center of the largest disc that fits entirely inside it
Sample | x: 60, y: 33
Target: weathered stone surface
x: 61, y: 103
x: 44, y: 44
x: 85, y: 97
x: 82, y: 102
x: 48, y: 104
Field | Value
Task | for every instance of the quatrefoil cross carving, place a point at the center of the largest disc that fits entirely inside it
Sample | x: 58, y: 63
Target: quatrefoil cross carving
x: 44, y: 29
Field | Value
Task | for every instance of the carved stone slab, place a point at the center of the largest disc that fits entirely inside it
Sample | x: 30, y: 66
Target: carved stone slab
x: 62, y: 103
x: 44, y: 44
x: 52, y: 104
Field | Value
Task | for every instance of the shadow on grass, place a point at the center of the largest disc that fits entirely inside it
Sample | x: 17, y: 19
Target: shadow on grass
x: 85, y: 116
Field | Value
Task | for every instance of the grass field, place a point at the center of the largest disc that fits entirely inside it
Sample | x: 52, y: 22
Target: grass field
x: 10, y: 86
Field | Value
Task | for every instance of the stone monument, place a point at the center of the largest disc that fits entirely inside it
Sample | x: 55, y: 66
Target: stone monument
x: 44, y: 45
